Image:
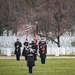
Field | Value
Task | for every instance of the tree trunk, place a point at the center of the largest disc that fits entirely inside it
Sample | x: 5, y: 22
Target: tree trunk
x: 7, y: 32
x: 58, y: 38
x: 1, y: 33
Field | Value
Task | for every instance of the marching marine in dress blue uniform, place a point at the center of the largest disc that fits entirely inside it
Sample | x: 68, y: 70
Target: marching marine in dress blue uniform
x: 34, y: 47
x: 18, y: 46
x: 24, y: 53
x: 30, y: 59
x: 42, y: 51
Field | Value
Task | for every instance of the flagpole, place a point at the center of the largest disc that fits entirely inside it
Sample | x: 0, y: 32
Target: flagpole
x: 27, y: 31
x: 36, y: 33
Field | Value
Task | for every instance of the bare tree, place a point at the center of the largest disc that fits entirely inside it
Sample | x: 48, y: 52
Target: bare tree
x: 14, y: 13
x: 53, y: 17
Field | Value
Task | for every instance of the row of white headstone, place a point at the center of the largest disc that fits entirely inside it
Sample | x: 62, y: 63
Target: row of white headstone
x: 60, y: 50
x: 54, y: 50
x: 6, y: 51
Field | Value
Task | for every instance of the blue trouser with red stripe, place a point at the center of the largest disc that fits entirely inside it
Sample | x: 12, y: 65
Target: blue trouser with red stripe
x: 17, y: 57
x: 43, y: 60
x: 30, y: 69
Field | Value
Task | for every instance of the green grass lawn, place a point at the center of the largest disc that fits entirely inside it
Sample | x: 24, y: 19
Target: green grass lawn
x: 52, y: 67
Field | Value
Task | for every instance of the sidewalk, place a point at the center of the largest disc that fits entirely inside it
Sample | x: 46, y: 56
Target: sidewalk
x: 48, y: 57
x: 10, y: 57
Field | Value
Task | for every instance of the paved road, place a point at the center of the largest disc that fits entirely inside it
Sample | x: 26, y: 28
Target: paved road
x: 49, y: 57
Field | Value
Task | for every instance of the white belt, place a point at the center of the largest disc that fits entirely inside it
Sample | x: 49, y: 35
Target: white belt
x: 30, y: 54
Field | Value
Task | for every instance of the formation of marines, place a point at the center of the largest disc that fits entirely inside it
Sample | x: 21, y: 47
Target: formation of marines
x: 30, y: 52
